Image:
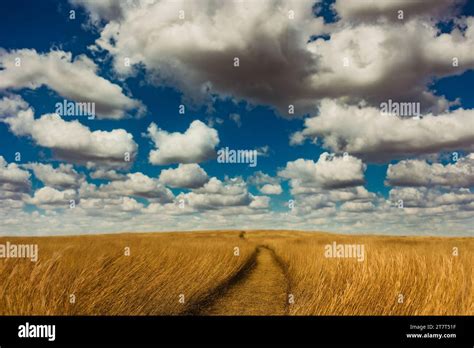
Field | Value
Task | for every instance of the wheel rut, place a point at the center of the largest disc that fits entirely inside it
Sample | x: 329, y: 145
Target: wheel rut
x: 260, y: 290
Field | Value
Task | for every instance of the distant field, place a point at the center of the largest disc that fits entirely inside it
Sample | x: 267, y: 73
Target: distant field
x: 238, y: 273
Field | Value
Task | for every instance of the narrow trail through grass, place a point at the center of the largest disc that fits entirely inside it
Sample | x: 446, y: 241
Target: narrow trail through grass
x: 260, y: 291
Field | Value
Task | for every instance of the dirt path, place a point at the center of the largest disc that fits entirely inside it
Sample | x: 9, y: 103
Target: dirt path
x: 260, y: 291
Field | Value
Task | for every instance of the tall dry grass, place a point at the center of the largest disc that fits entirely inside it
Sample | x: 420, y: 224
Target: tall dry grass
x: 199, y: 265
x: 104, y: 281
x: 423, y: 270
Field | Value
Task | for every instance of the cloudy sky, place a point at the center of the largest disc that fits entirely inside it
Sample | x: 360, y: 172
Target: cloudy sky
x: 302, y: 83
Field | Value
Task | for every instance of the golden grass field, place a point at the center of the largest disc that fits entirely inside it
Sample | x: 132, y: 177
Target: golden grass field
x: 275, y: 273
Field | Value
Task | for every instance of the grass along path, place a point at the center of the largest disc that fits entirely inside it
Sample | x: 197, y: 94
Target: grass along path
x: 261, y: 290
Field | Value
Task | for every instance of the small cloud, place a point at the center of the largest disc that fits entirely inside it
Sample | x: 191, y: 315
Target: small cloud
x: 236, y: 119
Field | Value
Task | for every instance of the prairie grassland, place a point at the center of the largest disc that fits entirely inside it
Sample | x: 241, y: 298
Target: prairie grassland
x: 273, y: 266
x: 104, y: 281
x: 423, y: 270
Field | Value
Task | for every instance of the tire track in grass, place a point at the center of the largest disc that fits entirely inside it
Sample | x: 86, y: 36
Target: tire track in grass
x: 260, y: 289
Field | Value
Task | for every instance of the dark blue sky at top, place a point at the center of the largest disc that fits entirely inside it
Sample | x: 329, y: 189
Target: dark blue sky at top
x: 45, y: 25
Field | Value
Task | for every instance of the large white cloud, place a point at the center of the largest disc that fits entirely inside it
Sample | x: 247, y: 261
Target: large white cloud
x: 196, y: 144
x: 213, y: 34
x: 69, y: 140
x: 185, y: 176
x: 365, y: 131
x: 421, y: 173
x: 328, y: 172
x: 296, y: 71
x: 75, y: 79
x: 365, y: 62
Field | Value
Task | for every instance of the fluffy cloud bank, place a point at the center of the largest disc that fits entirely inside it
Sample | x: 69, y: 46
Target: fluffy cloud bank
x: 217, y: 194
x: 74, y: 79
x: 439, y: 200
x: 323, y: 185
x: 196, y: 53
x: 62, y: 177
x: 365, y: 132
x: 421, y: 173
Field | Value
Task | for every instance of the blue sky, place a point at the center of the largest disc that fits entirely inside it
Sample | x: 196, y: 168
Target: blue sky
x: 45, y: 27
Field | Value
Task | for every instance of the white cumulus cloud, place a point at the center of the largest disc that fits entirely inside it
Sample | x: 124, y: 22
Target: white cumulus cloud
x: 197, y: 144
x: 328, y: 172
x: 74, y: 79
x: 69, y: 140
x: 184, y: 176
x: 421, y: 173
x: 64, y: 176
x: 366, y: 132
